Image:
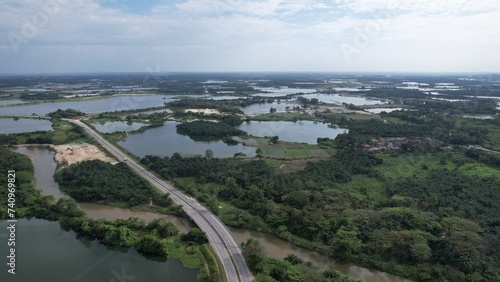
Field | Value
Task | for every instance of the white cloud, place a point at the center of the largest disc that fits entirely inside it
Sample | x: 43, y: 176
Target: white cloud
x: 253, y: 35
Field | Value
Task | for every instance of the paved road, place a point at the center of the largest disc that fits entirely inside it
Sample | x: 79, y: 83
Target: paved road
x: 221, y: 239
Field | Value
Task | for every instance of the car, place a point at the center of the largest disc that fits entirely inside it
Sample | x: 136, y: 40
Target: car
x: 124, y: 159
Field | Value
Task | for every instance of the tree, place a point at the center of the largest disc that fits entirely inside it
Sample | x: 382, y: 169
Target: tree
x: 209, y: 154
x: 254, y: 254
x: 274, y: 139
x: 195, y: 235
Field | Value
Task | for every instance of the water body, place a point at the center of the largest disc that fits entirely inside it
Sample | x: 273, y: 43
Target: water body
x: 165, y: 141
x: 44, y: 164
x: 11, y: 102
x: 284, y: 91
x: 45, y: 252
x: 301, y: 131
x: 350, y: 89
x: 279, y: 249
x: 114, y: 103
x: 114, y: 126
x: 9, y: 125
x: 379, y: 110
x: 339, y: 99
x: 226, y: 97
x: 264, y: 108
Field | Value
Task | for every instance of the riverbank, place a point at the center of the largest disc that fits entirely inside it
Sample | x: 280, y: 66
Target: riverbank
x: 66, y: 211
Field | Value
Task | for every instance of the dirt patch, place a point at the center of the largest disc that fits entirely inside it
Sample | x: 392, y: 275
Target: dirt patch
x: 293, y: 166
x: 203, y: 111
x: 73, y: 153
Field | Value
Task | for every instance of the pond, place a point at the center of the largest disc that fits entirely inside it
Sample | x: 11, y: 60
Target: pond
x: 114, y: 103
x: 339, y: 99
x: 264, y: 108
x: 114, y: 126
x: 379, y: 110
x: 9, y: 125
x: 301, y: 131
x: 165, y: 141
x: 46, y: 252
x: 11, y: 102
x: 282, y: 91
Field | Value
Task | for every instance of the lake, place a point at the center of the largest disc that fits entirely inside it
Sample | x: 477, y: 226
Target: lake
x: 339, y: 99
x: 12, y: 102
x: 114, y: 103
x: 165, y: 141
x: 302, y: 131
x: 379, y: 110
x: 9, y: 125
x: 264, y: 108
x: 114, y: 126
x: 283, y: 91
x: 46, y: 252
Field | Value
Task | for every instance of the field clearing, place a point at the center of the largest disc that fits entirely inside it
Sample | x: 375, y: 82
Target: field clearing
x: 418, y: 166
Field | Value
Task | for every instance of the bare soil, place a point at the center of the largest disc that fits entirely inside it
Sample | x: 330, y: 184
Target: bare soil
x: 73, y: 153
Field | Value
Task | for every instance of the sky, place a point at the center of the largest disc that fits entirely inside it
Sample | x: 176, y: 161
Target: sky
x: 75, y: 36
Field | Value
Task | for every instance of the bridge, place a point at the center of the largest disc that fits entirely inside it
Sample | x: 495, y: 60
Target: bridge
x: 219, y: 236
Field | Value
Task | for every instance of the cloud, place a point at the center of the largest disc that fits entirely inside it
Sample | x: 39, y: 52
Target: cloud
x: 254, y: 35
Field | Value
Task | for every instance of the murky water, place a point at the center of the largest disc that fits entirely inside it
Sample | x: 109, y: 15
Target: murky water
x: 45, y: 166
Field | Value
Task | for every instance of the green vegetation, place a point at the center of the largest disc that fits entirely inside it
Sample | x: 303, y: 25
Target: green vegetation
x: 68, y: 113
x: 282, y: 117
x: 362, y: 207
x: 291, y: 268
x: 201, y: 128
x: 97, y: 181
x: 63, y: 133
x: 158, y: 237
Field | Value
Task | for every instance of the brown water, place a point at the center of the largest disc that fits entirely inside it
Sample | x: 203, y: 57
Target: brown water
x: 44, y: 164
x: 43, y: 161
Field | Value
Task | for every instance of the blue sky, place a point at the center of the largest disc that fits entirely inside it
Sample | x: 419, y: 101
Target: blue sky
x: 238, y: 35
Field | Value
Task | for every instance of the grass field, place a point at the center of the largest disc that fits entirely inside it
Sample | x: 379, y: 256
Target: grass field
x: 418, y: 165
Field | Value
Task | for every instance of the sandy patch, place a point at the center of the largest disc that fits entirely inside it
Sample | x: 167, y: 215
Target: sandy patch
x: 74, y: 153
x: 203, y: 111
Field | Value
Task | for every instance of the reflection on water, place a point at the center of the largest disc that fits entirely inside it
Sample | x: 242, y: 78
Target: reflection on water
x: 115, y: 103
x: 45, y: 252
x: 301, y: 131
x: 265, y: 108
x: 114, y: 126
x: 9, y: 125
x: 164, y: 141
x: 339, y: 99
x: 278, y: 92
x: 379, y: 110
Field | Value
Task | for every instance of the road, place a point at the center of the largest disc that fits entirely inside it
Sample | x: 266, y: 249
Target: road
x: 219, y: 236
